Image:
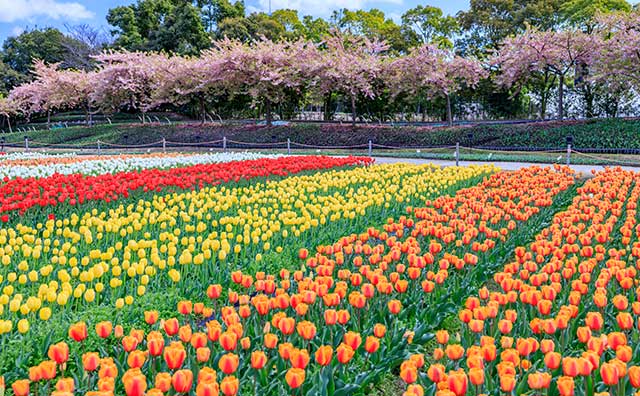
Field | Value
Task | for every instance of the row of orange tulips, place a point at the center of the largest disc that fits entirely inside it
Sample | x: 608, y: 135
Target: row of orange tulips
x: 562, y: 317
x: 331, y: 328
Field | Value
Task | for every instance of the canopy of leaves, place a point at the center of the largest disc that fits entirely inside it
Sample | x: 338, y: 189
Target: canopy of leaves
x: 159, y: 25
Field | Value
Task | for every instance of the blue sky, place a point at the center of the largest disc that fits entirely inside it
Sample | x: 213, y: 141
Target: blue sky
x: 17, y: 15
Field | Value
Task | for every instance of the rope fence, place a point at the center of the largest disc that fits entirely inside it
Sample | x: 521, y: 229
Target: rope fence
x: 452, y: 152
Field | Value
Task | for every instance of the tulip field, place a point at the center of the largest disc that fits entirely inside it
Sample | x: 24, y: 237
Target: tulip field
x: 244, y: 274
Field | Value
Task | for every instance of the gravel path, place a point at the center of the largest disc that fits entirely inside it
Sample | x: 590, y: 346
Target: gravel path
x: 586, y: 169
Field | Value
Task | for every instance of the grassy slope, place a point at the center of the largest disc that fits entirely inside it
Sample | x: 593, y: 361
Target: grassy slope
x: 586, y: 134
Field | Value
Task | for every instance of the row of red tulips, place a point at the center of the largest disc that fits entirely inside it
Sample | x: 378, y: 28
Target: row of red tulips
x: 331, y: 328
x: 21, y: 194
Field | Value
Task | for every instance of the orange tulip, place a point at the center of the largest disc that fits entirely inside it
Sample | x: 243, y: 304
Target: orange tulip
x: 394, y: 306
x: 634, y: 376
x: 20, y: 388
x: 229, y: 386
x: 136, y: 359
x: 295, y: 377
x: 214, y: 291
x: 454, y: 351
x: 65, y: 385
x: 90, y: 361
x: 48, y: 370
x: 182, y: 380
x: 344, y: 353
x: 458, y: 383
x: 566, y: 386
x: 78, y: 331
x: 228, y: 341
x: 174, y: 355
x: 203, y: 354
x: 185, y: 307
x: 229, y: 363
x: 106, y: 384
x: 104, y: 329
x: 436, y: 373
x: 570, y: 367
x: 323, y: 355
x: 299, y: 358
x: 552, y: 360
x: 151, y: 317
x: 59, y: 352
x: 155, y: 346
x: 352, y: 339
x: 476, y: 376
x: 270, y: 340
x: 284, y: 350
x: 539, y: 380
x: 330, y: 317
x: 171, y: 326
x: 408, y: 372
x: 609, y: 373
x: 258, y: 360
x: 207, y: 389
x: 129, y: 343
x: 163, y: 382
x: 594, y: 321
x: 372, y: 344
x: 379, y: 330
x: 343, y: 316
x: 507, y: 383
x: 135, y: 383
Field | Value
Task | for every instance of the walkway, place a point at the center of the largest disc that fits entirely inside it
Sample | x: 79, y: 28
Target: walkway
x: 586, y: 169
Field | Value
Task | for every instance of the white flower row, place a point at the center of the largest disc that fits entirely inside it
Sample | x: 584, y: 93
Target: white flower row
x: 120, y: 164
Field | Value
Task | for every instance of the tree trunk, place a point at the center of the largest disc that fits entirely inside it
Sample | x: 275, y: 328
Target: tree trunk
x: 327, y: 107
x: 48, y: 119
x: 449, y: 114
x: 268, y: 112
x: 143, y: 117
x: 203, y: 110
x: 353, y: 111
x: 561, y: 97
x: 588, y: 101
x: 9, y: 124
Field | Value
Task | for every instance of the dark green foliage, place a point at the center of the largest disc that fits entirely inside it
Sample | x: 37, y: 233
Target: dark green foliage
x: 601, y: 134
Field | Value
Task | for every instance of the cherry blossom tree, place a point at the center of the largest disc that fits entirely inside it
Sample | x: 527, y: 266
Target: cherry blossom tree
x: 269, y: 72
x: 545, y: 56
x: 349, y: 65
x: 618, y: 61
x: 433, y: 72
x: 184, y: 79
x: 43, y: 94
x: 28, y: 99
x: 8, y: 109
x: 127, y: 80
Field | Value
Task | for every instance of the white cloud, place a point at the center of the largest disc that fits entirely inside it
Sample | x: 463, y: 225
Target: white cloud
x: 16, y: 31
x: 17, y: 10
x: 322, y: 8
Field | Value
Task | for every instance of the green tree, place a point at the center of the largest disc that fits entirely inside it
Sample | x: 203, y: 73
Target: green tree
x: 290, y: 22
x: 215, y: 11
x: 487, y: 22
x: 253, y: 27
x: 9, y: 78
x: 159, y: 25
x: 315, y: 29
x: 580, y: 13
x: 48, y: 44
x: 374, y: 25
x: 431, y: 25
